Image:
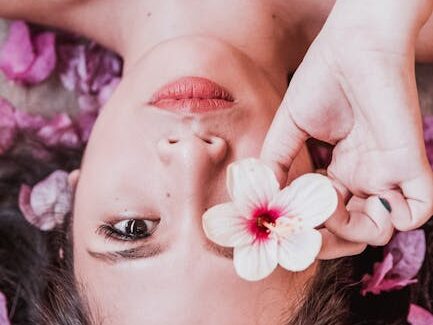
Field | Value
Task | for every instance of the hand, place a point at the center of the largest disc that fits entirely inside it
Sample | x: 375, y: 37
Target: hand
x: 356, y: 89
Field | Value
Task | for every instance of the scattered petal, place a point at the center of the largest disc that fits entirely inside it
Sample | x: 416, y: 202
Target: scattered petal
x: 45, y: 60
x: 46, y: 205
x: 408, y: 250
x: 403, y: 259
x: 60, y: 131
x: 91, y: 71
x: 4, y: 319
x: 27, y: 59
x: 419, y: 316
x: 16, y: 55
x: 28, y: 122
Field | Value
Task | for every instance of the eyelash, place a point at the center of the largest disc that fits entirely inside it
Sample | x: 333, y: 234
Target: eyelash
x: 110, y: 232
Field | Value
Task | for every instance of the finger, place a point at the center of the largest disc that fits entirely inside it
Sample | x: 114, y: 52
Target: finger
x: 416, y: 206
x: 336, y: 247
x: 282, y: 143
x: 364, y: 221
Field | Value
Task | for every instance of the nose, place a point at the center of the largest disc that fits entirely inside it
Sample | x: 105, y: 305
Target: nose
x: 193, y: 158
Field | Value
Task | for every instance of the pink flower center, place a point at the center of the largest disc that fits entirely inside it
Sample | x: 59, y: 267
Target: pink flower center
x: 258, y: 224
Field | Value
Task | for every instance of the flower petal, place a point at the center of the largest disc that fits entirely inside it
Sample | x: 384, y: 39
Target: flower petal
x: 310, y: 197
x: 16, y: 55
x: 408, y: 249
x: 299, y: 250
x: 419, y: 316
x: 223, y: 225
x: 4, y: 320
x: 51, y: 200
x: 251, y: 184
x: 255, y: 262
x: 45, y: 60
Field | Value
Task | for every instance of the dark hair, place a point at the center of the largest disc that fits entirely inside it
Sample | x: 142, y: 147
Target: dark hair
x: 40, y: 287
x: 37, y: 282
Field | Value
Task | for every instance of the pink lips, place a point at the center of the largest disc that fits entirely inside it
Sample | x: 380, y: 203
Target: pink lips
x: 192, y: 95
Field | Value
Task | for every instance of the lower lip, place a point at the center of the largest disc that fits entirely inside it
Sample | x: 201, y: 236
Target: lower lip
x: 192, y: 95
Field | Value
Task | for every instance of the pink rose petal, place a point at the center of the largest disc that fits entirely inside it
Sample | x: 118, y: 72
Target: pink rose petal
x: 29, y: 122
x: 16, y: 55
x: 4, y: 319
x: 403, y: 259
x: 85, y: 122
x: 419, y: 316
x: 408, y: 249
x: 91, y: 71
x: 8, y: 126
x: 46, y: 205
x: 60, y: 131
x: 27, y: 59
x: 25, y: 207
x: 45, y: 60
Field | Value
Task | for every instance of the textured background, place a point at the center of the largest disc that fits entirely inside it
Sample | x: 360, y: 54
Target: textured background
x: 51, y: 96
x: 47, y: 97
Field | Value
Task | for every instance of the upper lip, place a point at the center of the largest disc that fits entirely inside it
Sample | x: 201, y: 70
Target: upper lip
x: 192, y: 94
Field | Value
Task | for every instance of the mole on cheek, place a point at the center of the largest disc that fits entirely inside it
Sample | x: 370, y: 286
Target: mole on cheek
x: 168, y: 195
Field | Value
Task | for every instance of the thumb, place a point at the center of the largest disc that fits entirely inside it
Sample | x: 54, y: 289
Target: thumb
x: 283, y: 142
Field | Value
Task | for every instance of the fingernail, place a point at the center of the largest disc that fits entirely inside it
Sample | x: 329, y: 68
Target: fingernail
x: 386, y: 204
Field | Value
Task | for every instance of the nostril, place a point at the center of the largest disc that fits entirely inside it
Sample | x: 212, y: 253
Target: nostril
x: 208, y: 141
x: 173, y: 141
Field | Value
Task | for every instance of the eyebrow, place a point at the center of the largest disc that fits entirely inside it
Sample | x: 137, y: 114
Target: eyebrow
x: 143, y: 251
x: 151, y: 250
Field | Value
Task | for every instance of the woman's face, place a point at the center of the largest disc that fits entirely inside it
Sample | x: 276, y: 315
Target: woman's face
x: 148, y: 176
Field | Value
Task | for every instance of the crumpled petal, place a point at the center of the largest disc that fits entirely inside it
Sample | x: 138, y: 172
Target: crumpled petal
x: 60, y: 131
x: 16, y: 55
x: 45, y: 59
x: 299, y: 250
x: 257, y: 261
x: 251, y: 184
x: 310, y: 197
x: 378, y: 282
x: 27, y: 59
x: 403, y: 259
x: 85, y: 122
x: 46, y: 205
x: 29, y: 122
x: 4, y: 319
x: 408, y: 250
x: 223, y: 225
x: 419, y: 316
x: 91, y: 71
x: 8, y: 126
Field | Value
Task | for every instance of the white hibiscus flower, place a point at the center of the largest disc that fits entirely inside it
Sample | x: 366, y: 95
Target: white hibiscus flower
x: 267, y: 226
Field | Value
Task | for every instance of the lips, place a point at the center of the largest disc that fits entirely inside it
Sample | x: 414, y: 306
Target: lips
x: 192, y: 95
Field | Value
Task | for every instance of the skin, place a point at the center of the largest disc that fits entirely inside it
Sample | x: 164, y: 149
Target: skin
x: 123, y: 156
x: 187, y: 175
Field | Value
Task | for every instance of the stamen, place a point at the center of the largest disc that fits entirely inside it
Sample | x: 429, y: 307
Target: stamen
x: 281, y: 230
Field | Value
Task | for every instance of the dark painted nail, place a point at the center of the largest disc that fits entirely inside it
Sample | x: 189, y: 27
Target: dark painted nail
x: 386, y: 204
